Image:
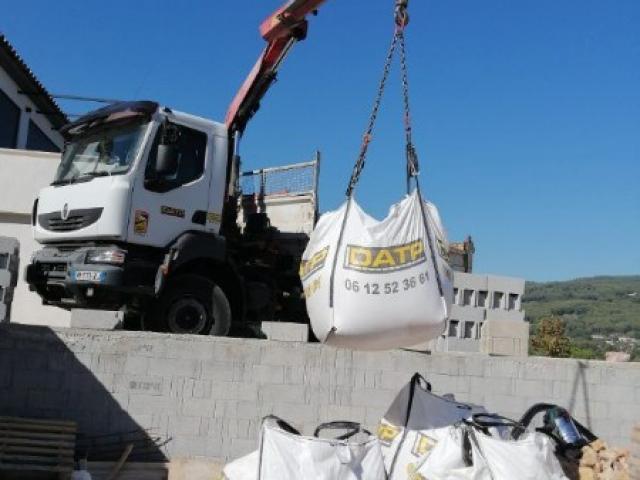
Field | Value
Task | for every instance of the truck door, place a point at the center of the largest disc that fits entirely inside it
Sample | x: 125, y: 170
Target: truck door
x: 168, y: 203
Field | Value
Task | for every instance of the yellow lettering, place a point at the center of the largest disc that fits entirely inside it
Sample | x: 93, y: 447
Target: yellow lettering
x: 417, y: 250
x: 412, y: 472
x: 387, y: 433
x: 402, y: 252
x: 383, y: 259
x: 359, y: 256
x: 423, y: 444
x: 316, y: 261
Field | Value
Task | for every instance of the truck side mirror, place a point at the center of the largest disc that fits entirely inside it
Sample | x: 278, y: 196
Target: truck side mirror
x: 167, y: 160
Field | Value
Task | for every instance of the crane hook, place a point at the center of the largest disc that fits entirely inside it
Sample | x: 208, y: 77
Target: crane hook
x: 401, y: 14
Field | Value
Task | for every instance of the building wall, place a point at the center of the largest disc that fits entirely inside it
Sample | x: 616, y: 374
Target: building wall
x: 479, y: 298
x: 209, y: 394
x: 22, y: 174
x: 28, y: 112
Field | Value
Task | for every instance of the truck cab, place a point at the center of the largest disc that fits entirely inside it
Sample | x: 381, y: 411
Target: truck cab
x: 146, y: 215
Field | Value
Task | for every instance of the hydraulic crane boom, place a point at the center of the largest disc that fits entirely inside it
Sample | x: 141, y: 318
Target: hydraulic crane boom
x: 282, y: 29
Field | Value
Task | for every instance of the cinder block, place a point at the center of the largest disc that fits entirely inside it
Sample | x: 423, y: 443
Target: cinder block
x: 279, y: 353
x: 96, y: 319
x: 40, y: 380
x: 148, y: 404
x: 282, y: 393
x: 188, y: 446
x: 248, y: 410
x: 505, y: 337
x: 536, y: 389
x: 243, y: 351
x: 175, y: 367
x: 268, y: 374
x: 381, y: 360
x: 498, y: 386
x: 343, y: 412
x: 39, y: 399
x: 240, y: 447
x: 184, y: 425
x: 372, y: 397
x: 511, y: 406
x: 297, y: 413
x: 373, y: 417
x: 226, y: 409
x: 217, y: 371
x: 235, y: 391
x: 143, y: 384
x: 286, y: 331
x: 202, y: 388
x: 294, y: 374
x: 108, y: 363
x: 136, y: 365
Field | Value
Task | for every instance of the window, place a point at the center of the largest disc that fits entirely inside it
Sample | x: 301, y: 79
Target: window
x: 1, y: 294
x: 9, y: 121
x: 497, y: 300
x: 37, y: 140
x: 479, y: 330
x: 468, y: 329
x: 467, y: 297
x: 455, y: 296
x: 482, y: 298
x: 4, y: 261
x: 513, y: 301
x: 191, y: 145
x: 105, y: 151
x: 453, y: 328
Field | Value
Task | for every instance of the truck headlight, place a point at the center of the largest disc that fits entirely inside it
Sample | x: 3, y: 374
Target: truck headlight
x: 113, y: 256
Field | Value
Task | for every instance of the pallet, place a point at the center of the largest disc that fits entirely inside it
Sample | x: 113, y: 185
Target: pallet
x: 33, y: 445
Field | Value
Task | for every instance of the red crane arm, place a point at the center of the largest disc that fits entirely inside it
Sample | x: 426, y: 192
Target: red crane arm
x: 281, y: 30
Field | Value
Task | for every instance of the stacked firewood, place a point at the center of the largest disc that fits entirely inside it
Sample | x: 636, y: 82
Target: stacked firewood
x: 635, y: 453
x: 600, y: 462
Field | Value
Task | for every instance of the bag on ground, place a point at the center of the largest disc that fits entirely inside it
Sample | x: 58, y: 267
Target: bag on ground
x: 285, y: 454
x: 497, y: 448
x: 418, y: 422
x: 378, y: 284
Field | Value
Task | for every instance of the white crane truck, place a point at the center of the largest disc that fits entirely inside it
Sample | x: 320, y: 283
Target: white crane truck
x: 146, y: 214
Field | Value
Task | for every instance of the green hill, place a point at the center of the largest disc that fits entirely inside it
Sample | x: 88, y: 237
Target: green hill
x: 601, y: 306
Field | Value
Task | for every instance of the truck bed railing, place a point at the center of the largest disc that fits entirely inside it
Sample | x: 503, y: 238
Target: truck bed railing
x: 294, y: 179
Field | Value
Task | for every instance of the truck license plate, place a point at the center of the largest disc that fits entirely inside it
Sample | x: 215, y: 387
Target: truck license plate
x: 89, y: 276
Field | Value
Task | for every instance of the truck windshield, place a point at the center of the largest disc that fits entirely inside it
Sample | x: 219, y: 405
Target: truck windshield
x: 108, y: 151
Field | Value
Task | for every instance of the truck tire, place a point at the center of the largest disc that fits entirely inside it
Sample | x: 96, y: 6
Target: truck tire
x: 193, y: 304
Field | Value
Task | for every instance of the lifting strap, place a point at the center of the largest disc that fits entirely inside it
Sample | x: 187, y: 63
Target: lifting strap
x: 398, y: 39
x: 401, y: 18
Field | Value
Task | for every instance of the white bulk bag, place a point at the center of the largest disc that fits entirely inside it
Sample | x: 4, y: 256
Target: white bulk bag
x: 531, y: 457
x: 415, y: 424
x: 243, y: 468
x: 494, y: 454
x: 284, y: 454
x: 378, y: 284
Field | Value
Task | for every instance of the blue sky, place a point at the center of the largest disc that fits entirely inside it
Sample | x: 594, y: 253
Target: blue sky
x: 526, y: 114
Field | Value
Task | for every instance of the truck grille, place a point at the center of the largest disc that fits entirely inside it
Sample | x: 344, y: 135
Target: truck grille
x: 77, y: 219
x: 53, y: 267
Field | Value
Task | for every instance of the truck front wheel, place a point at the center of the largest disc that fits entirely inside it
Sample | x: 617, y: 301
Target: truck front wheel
x: 194, y: 305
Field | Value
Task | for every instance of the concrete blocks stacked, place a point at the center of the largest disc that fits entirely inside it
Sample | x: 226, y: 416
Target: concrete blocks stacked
x: 208, y: 395
x: 505, y: 337
x: 9, y: 265
x: 286, y: 331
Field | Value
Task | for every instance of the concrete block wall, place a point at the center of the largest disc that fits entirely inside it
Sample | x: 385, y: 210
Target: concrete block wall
x: 208, y: 395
